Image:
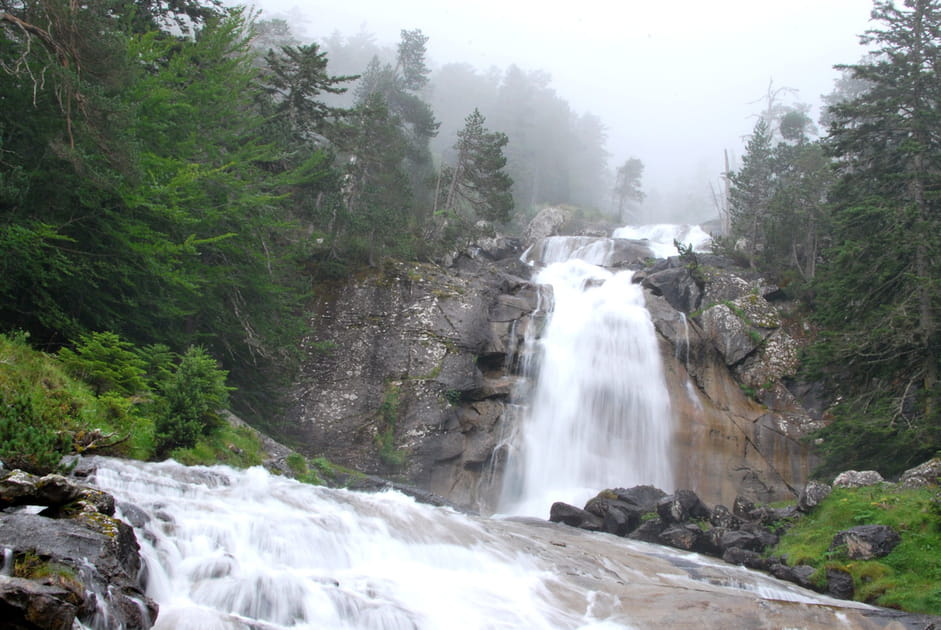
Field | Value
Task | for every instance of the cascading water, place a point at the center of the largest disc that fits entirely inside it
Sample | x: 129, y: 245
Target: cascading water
x: 238, y: 550
x: 599, y: 412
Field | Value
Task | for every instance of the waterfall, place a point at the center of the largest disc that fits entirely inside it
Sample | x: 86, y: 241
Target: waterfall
x: 598, y: 414
x: 232, y: 550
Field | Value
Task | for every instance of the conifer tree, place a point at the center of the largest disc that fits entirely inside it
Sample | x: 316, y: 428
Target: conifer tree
x: 478, y: 179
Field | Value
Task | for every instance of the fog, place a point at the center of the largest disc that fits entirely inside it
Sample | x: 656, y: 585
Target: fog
x: 675, y: 84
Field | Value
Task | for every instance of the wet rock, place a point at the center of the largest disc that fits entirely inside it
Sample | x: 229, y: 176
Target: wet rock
x: 575, y: 517
x: 857, y: 479
x: 644, y: 497
x: 681, y: 506
x: 681, y: 536
x: 722, y: 517
x: 840, y: 584
x: 812, y: 495
x: 649, y: 531
x: 865, y: 542
x: 745, y: 557
x: 28, y: 605
x: 926, y: 474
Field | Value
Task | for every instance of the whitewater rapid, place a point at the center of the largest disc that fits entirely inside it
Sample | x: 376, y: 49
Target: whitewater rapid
x: 239, y: 550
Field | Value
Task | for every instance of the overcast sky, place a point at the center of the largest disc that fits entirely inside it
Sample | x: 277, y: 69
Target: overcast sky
x: 674, y: 82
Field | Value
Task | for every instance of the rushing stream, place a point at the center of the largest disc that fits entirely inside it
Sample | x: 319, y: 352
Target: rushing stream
x: 227, y: 549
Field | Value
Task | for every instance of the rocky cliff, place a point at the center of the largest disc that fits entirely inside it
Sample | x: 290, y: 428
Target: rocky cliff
x: 409, y: 370
x: 728, y: 360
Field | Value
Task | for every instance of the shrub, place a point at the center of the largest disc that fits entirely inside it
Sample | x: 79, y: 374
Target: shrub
x: 189, y: 401
x: 107, y: 363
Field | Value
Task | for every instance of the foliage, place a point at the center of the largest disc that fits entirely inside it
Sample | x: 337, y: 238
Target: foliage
x: 107, y: 363
x: 908, y: 577
x: 388, y: 417
x: 233, y: 446
x: 190, y: 401
x: 42, y: 408
x: 878, y: 296
x: 627, y: 188
x: 478, y: 179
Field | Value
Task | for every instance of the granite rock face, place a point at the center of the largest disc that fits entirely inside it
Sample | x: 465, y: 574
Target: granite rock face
x: 409, y: 369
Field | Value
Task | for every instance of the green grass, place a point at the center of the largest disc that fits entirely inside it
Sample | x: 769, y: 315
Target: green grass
x: 909, y: 578
x: 238, y: 447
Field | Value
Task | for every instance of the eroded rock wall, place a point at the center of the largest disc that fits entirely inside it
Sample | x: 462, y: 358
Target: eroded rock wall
x: 409, y: 369
x: 739, y: 429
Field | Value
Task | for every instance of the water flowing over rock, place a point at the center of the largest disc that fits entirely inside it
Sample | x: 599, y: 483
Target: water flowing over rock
x: 72, y: 562
x: 232, y: 549
x: 424, y: 373
x: 598, y: 411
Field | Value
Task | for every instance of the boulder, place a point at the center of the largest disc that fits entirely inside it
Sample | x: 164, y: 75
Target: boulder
x: 681, y: 536
x: 28, y: 605
x: 22, y: 488
x: 927, y: 474
x: 857, y: 479
x: 649, y: 531
x: 644, y: 497
x: 812, y: 495
x: 799, y: 574
x: 840, y: 584
x: 736, y: 539
x: 721, y: 516
x: 732, y: 336
x: 574, y: 516
x: 677, y: 286
x: 681, y: 506
x: 547, y: 222
x: 620, y: 517
x: 865, y: 542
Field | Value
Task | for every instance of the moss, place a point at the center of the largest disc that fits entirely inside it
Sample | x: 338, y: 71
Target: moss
x: 388, y: 421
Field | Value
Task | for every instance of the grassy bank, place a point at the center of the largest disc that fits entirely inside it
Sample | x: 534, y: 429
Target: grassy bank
x: 909, y: 578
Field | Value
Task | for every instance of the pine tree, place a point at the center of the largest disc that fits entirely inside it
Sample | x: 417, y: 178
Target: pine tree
x: 627, y: 187
x: 752, y: 188
x: 478, y: 179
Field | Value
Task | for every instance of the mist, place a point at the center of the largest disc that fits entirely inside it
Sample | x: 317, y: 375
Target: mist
x: 675, y: 85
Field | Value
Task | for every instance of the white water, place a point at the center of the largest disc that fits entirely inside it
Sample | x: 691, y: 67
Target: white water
x: 598, y: 414
x: 660, y: 237
x: 227, y: 550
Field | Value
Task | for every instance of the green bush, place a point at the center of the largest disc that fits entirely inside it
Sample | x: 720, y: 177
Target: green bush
x: 26, y: 440
x: 189, y: 400
x: 107, y: 363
